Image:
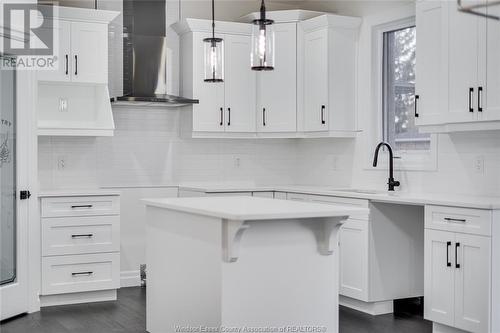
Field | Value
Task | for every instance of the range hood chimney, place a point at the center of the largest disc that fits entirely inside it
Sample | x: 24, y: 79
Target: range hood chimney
x: 145, y: 53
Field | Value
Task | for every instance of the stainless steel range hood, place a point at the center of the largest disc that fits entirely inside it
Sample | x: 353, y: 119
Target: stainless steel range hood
x: 145, y: 54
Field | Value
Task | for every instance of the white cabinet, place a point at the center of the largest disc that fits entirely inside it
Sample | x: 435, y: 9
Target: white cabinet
x: 239, y: 85
x: 73, y: 98
x: 457, y: 277
x: 89, y: 50
x: 82, y: 53
x: 277, y: 89
x: 431, y: 63
x: 328, y: 59
x: 227, y: 107
x: 80, y: 243
x: 457, y: 80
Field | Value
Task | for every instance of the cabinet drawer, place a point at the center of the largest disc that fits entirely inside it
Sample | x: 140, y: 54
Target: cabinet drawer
x: 465, y: 220
x: 78, y: 273
x: 78, y: 235
x: 80, y: 206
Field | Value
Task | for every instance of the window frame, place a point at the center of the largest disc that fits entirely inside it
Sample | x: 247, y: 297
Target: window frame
x: 417, y: 160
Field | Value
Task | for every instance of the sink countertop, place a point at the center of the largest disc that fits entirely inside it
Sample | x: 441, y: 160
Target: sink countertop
x: 470, y: 201
x: 252, y: 208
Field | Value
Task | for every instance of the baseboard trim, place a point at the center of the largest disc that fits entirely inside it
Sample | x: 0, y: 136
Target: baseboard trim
x: 76, y: 298
x: 440, y: 328
x: 372, y: 308
x: 130, y: 279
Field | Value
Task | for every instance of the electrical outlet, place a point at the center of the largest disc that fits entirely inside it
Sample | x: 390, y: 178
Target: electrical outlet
x: 61, y: 163
x: 237, y: 162
x: 479, y: 164
x: 63, y: 105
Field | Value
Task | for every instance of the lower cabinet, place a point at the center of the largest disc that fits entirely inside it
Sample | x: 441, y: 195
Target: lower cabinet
x: 381, y: 253
x: 80, y: 241
x: 458, y: 279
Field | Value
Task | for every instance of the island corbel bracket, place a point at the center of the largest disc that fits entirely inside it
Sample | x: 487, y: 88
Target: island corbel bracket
x: 232, y: 231
x: 327, y: 243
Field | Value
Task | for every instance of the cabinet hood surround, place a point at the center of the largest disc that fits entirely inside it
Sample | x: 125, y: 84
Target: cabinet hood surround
x: 145, y: 54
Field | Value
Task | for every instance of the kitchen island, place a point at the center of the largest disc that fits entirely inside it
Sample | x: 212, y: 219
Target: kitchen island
x: 242, y: 263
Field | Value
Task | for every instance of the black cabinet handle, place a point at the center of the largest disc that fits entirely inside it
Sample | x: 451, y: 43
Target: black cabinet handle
x: 450, y: 219
x: 81, y: 206
x: 448, y: 263
x: 76, y: 65
x: 416, y: 107
x: 479, y: 99
x: 471, y: 93
x: 67, y: 60
x: 82, y: 236
x: 264, y: 116
x: 323, y: 115
x: 82, y: 273
x: 221, y: 116
x: 457, y: 245
x: 229, y: 117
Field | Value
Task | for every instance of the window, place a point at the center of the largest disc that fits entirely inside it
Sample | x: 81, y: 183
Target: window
x: 398, y: 92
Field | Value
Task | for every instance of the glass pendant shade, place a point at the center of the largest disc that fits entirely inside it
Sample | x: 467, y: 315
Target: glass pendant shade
x: 214, y: 59
x: 262, y: 57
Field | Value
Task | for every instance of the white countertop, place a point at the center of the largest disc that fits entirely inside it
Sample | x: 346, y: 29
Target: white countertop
x: 252, y: 208
x: 470, y: 201
x: 77, y: 193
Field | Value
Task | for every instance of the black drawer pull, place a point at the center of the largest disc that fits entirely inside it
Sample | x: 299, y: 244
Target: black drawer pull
x: 448, y: 263
x: 76, y: 65
x: 82, y: 273
x: 323, y: 115
x: 228, y: 116
x: 264, y: 116
x: 416, y: 107
x: 81, y: 206
x: 471, y: 92
x: 221, y: 116
x: 479, y: 99
x: 450, y: 219
x: 82, y: 236
x: 457, y: 245
x: 67, y: 64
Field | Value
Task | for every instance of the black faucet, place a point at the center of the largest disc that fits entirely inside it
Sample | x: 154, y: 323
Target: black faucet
x: 392, y: 183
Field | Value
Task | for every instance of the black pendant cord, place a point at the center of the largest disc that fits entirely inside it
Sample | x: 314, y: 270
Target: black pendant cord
x: 262, y: 11
x: 213, y: 19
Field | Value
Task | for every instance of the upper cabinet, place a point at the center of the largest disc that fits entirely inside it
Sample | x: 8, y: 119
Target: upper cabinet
x: 458, y: 71
x: 310, y: 93
x: 277, y: 89
x: 225, y: 107
x: 328, y: 63
x: 73, y: 98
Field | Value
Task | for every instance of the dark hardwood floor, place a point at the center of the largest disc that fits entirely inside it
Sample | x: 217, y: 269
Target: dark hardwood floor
x: 128, y: 315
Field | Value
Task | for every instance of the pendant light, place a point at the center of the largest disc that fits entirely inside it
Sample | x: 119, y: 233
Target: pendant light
x: 214, y: 55
x: 262, y: 56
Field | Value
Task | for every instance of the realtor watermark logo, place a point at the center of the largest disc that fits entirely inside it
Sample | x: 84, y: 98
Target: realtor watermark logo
x: 29, y: 36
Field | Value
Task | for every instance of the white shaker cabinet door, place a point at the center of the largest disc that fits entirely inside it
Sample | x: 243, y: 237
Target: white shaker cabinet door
x: 354, y: 259
x: 463, y: 60
x: 472, y: 282
x: 439, y: 276
x: 316, y: 80
x: 491, y: 102
x: 277, y: 89
x: 89, y: 43
x: 239, y: 85
x: 208, y: 115
x: 431, y: 84
x: 62, y: 51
